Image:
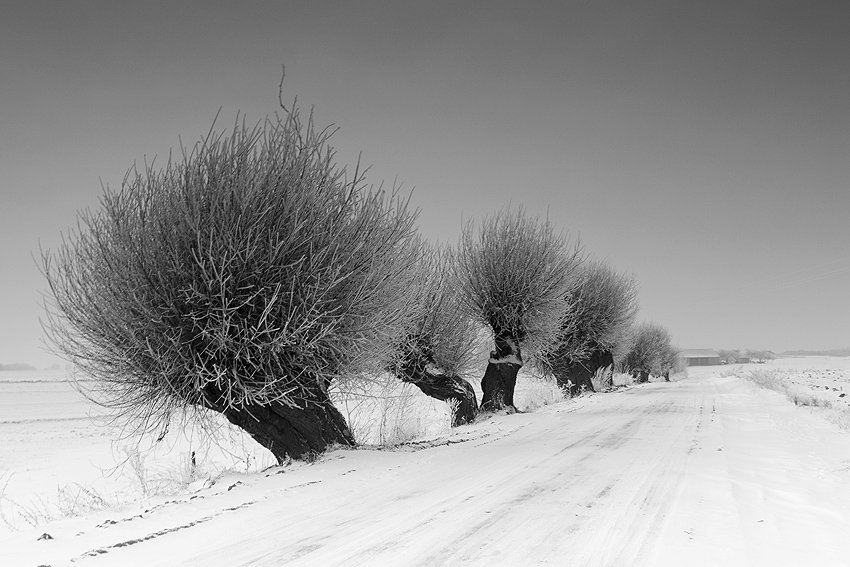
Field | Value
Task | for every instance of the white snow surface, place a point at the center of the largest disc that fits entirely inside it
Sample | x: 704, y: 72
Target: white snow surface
x: 708, y: 470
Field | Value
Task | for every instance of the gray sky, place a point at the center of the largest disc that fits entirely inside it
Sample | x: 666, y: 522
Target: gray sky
x: 703, y: 146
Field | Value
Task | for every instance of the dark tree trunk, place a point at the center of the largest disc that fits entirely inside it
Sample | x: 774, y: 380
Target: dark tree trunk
x: 499, y: 381
x: 574, y: 374
x: 420, y: 370
x: 448, y: 388
x: 297, y: 433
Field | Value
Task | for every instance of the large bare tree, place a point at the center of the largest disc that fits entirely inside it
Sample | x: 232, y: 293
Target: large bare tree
x: 515, y: 274
x: 603, y: 305
x: 243, y: 278
x: 439, y: 348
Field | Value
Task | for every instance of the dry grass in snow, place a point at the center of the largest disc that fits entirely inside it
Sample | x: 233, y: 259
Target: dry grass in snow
x: 385, y: 412
x: 815, y: 382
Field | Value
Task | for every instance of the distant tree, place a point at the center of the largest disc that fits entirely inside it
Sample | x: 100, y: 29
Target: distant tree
x: 668, y: 362
x: 729, y: 356
x: 759, y: 355
x: 440, y: 346
x: 833, y: 352
x: 651, y: 352
x: 244, y: 279
x: 16, y: 367
x: 603, y: 305
x: 515, y: 274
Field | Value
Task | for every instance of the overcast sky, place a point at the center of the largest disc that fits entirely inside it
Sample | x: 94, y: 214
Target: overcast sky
x: 702, y: 146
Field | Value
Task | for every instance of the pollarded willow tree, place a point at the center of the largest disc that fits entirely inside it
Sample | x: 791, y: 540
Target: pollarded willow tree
x: 651, y: 352
x: 669, y: 362
x: 515, y: 275
x: 604, y: 305
x: 244, y: 279
x: 439, y: 348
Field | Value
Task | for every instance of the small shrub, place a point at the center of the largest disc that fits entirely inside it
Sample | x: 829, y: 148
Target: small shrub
x: 535, y: 391
x: 70, y: 500
x: 622, y: 379
x: 385, y: 412
x: 603, y: 379
x: 840, y: 417
x: 163, y: 480
x: 453, y: 404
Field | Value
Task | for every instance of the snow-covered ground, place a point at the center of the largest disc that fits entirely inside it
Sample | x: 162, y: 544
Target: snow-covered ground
x: 826, y: 377
x: 59, y: 456
x: 708, y: 470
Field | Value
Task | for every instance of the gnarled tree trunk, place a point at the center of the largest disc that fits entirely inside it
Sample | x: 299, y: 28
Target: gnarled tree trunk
x: 499, y: 381
x: 448, y: 389
x: 421, y: 371
x: 297, y: 433
x: 574, y: 374
x: 640, y: 375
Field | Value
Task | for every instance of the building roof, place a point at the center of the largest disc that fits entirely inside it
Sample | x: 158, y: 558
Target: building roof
x: 698, y: 353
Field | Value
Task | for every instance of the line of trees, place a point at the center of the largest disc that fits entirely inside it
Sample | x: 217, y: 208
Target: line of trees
x: 651, y: 353
x: 253, y: 274
x: 16, y: 366
x: 732, y: 356
x: 603, y: 306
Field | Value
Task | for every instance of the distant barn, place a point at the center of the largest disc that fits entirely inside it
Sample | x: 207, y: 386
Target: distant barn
x: 699, y: 357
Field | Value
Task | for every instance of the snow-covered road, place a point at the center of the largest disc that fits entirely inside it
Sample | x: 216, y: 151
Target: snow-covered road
x: 706, y: 471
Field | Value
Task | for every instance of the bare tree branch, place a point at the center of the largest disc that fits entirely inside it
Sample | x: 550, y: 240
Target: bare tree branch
x: 248, y: 276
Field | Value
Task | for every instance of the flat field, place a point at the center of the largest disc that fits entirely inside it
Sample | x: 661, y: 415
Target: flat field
x: 60, y: 455
x: 827, y: 377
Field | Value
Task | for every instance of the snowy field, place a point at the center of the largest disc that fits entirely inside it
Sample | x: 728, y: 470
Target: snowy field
x: 708, y: 470
x: 827, y: 378
x: 59, y: 456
